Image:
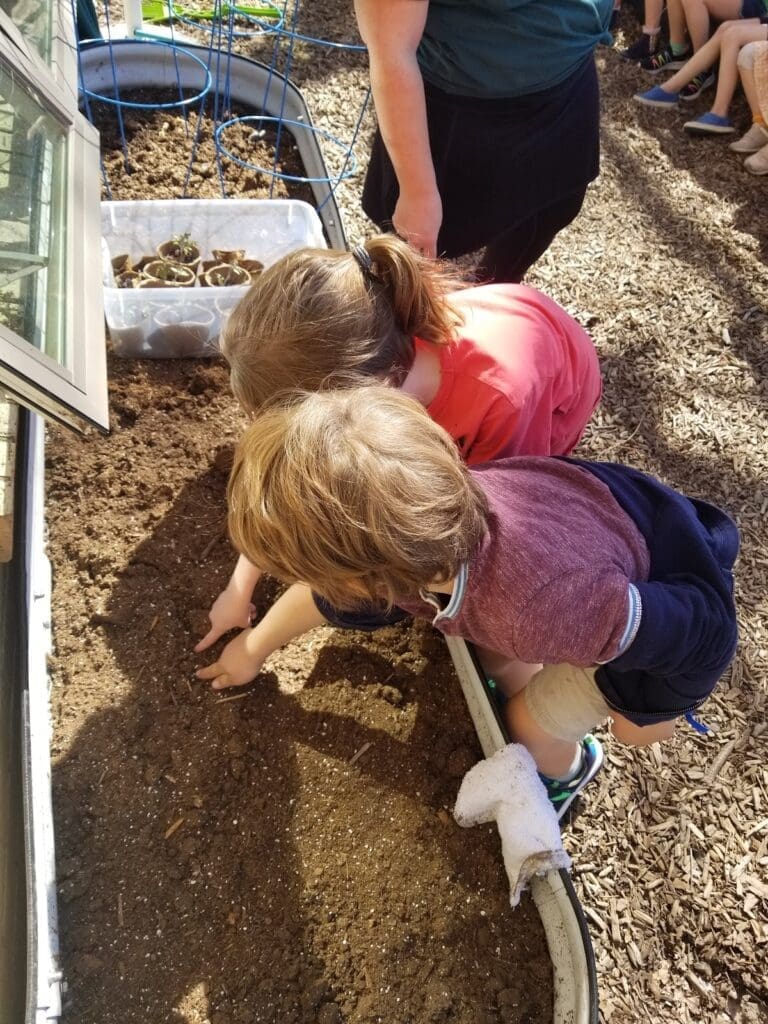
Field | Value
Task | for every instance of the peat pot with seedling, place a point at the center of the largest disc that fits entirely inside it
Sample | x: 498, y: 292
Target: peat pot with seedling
x: 181, y: 248
x: 165, y: 274
x: 225, y: 275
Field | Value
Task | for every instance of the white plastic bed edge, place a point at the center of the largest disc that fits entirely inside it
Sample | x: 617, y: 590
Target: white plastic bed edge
x: 561, y: 926
x: 44, y: 974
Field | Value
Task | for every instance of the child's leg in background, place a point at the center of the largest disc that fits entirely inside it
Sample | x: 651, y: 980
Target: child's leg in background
x: 677, y: 26
x: 648, y: 43
x: 652, y: 16
x: 697, y: 14
x: 754, y: 142
x: 736, y: 35
x: 701, y: 61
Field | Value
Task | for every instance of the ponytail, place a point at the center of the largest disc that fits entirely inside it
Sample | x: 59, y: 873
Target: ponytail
x: 321, y: 317
x: 417, y: 288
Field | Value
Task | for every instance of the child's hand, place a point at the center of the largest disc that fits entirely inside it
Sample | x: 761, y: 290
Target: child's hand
x: 237, y: 664
x: 230, y: 610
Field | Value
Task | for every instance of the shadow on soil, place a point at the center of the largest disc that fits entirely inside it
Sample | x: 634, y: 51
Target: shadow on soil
x: 183, y: 875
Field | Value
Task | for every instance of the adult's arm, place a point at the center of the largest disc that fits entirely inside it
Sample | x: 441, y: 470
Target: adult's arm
x: 392, y: 30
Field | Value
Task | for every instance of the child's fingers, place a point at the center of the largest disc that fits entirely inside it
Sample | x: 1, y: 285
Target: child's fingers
x: 219, y: 677
x: 211, y: 671
x: 210, y: 637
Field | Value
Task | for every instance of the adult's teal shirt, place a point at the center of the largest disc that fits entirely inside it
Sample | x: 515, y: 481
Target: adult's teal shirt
x: 506, y: 48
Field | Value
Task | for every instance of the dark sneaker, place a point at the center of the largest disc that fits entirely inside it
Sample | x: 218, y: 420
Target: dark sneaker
x: 696, y: 86
x: 642, y: 49
x: 665, y: 60
x: 562, y: 794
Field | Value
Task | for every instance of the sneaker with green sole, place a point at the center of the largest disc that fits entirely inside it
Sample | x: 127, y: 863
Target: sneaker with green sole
x: 562, y: 794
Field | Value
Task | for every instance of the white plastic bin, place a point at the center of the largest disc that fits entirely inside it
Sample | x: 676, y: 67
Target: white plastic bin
x: 161, y: 323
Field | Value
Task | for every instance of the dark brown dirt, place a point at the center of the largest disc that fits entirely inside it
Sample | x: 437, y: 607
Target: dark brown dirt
x: 160, y: 144
x: 226, y: 859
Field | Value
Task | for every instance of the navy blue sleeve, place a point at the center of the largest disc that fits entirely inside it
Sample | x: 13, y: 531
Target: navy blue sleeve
x: 685, y: 622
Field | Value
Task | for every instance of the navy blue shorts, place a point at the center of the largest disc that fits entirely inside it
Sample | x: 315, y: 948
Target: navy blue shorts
x: 367, y: 617
x: 752, y: 9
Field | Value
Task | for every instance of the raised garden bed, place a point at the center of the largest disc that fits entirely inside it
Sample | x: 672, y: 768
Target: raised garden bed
x: 287, y: 855
x: 250, y: 86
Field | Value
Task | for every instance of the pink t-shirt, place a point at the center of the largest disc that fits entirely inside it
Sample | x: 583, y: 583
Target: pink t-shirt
x: 522, y: 377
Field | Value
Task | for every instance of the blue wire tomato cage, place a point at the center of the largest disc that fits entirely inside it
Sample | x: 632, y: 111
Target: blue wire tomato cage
x: 349, y: 168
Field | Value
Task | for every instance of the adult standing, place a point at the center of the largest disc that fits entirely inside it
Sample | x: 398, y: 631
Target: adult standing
x: 488, y: 116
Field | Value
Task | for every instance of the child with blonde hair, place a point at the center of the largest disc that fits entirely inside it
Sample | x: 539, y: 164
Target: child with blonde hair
x: 502, y: 367
x: 612, y: 589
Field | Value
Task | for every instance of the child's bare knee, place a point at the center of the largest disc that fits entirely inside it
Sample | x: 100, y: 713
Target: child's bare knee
x: 641, y: 735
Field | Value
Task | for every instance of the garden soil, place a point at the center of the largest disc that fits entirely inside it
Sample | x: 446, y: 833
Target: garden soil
x: 283, y: 853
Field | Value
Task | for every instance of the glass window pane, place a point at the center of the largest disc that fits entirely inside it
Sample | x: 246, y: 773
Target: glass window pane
x: 33, y: 19
x: 33, y: 151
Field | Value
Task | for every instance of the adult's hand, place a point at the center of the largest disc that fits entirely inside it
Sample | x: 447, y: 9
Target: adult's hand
x: 417, y: 219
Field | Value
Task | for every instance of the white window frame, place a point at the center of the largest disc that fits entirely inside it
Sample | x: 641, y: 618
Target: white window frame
x: 73, y: 392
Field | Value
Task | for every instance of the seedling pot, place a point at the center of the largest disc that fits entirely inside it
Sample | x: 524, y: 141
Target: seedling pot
x: 164, y: 274
x: 121, y: 263
x: 180, y: 249
x: 254, y: 267
x: 225, y: 275
x: 128, y: 279
x: 228, y: 255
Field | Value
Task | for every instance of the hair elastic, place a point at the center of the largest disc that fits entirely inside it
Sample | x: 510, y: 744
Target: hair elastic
x: 363, y: 257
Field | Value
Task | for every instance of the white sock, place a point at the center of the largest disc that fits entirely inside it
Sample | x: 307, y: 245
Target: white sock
x: 575, y: 768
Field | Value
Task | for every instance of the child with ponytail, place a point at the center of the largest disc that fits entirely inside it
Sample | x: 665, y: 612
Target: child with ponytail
x: 501, y: 367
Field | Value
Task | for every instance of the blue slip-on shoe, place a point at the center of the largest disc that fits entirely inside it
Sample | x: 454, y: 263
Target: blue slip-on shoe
x: 562, y: 794
x: 657, y: 97
x: 710, y: 124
